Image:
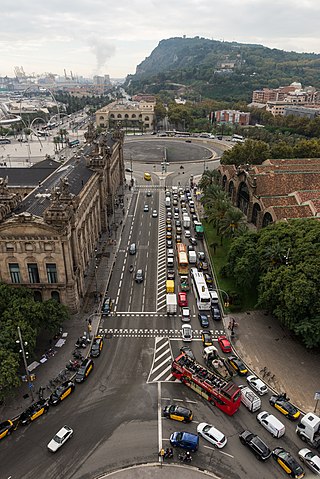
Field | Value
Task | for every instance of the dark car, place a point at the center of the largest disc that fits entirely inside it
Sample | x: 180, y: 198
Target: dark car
x: 203, y: 266
x: 216, y: 313
x: 96, y: 347
x: 288, y: 463
x: 84, y: 371
x: 61, y: 392
x: 193, y: 241
x: 190, y: 248
x: 33, y: 412
x: 6, y: 428
x: 106, y: 306
x: 178, y: 413
x: 139, y: 276
x: 178, y: 223
x: 255, y: 444
x: 237, y: 365
x: 188, y: 352
x: 203, y: 319
x: 281, y: 402
x: 5, y: 141
x: 169, y: 243
x: 170, y: 274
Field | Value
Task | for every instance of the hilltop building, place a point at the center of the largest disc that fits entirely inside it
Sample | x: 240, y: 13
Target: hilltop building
x: 233, y: 117
x: 49, y: 235
x: 276, y: 190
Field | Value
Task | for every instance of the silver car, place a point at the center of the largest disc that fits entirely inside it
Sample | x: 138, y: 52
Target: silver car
x: 186, y: 332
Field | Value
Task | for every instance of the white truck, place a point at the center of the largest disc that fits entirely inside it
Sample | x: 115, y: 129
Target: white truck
x: 308, y: 429
x: 192, y: 257
x: 171, y: 301
x: 186, y: 221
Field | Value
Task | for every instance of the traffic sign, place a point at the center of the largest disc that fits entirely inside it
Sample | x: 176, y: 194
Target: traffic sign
x: 317, y: 396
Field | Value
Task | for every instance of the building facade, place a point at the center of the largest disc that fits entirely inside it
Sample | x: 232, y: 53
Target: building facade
x: 128, y: 114
x: 48, y: 238
x: 276, y: 190
x: 233, y: 117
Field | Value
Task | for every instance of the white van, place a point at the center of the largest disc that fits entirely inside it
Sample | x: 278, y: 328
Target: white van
x: 192, y: 257
x: 249, y: 399
x: 214, y: 297
x: 271, y: 424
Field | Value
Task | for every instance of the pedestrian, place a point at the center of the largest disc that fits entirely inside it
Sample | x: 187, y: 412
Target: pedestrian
x: 89, y: 327
x: 90, y: 321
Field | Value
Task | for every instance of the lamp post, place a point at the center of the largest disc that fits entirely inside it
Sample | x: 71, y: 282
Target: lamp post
x: 24, y: 355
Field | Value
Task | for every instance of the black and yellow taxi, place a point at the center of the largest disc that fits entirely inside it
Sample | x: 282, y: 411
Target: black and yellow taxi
x: 237, y: 365
x: 206, y: 337
x: 281, y: 402
x: 34, y: 411
x: 169, y: 234
x: 178, y: 413
x: 106, y: 306
x: 84, y: 370
x: 288, y: 463
x: 147, y: 176
x: 169, y: 227
x: 6, y: 428
x: 96, y: 347
x: 61, y: 392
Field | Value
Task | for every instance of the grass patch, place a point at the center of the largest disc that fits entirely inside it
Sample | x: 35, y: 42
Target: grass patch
x: 249, y: 296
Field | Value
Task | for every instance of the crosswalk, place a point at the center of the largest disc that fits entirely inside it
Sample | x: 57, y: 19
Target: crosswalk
x: 172, y: 334
x: 161, y: 364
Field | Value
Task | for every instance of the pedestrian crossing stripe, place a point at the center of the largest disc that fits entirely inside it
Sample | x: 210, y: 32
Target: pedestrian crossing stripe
x: 161, y: 333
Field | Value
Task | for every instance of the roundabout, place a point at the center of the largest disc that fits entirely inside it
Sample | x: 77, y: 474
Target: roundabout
x: 157, y: 471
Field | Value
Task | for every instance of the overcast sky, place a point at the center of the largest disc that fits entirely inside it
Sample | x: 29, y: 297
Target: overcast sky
x: 112, y: 37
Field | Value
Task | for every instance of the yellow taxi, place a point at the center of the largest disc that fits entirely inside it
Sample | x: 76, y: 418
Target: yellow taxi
x: 288, y: 463
x: 281, y: 402
x: 96, y: 347
x: 6, y: 427
x: 84, y: 371
x: 33, y: 412
x: 178, y: 413
x: 147, y: 176
x: 61, y: 392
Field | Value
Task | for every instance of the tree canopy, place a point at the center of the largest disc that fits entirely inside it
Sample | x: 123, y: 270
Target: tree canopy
x: 18, y: 308
x: 283, y: 260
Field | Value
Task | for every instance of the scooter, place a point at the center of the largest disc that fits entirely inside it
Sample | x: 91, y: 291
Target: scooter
x: 81, y: 343
x: 185, y: 457
x: 73, y: 365
x: 131, y: 268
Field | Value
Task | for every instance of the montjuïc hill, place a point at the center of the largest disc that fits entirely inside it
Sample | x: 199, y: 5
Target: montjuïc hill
x: 221, y: 70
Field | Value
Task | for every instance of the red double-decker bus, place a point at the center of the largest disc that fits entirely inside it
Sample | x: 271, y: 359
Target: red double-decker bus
x: 225, y: 395
x: 182, y: 259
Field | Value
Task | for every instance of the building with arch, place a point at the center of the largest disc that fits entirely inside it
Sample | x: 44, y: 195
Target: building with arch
x: 137, y: 115
x: 276, y: 190
x: 48, y: 238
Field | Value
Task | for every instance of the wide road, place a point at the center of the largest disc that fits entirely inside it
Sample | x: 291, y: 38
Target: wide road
x: 116, y: 413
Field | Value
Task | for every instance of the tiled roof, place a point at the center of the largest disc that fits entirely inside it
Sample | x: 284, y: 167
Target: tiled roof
x: 278, y: 201
x: 284, y: 212
x: 303, y: 196
x: 284, y: 183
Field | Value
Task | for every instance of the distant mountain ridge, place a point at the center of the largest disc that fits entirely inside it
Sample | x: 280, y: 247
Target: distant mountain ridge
x: 222, y: 69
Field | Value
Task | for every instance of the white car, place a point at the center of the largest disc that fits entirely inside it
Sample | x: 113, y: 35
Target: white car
x: 154, y: 214
x: 311, y: 460
x: 257, y: 385
x: 185, y: 314
x: 176, y: 216
x: 170, y: 253
x: 186, y: 332
x: 60, y: 438
x: 211, y: 434
x: 187, y: 233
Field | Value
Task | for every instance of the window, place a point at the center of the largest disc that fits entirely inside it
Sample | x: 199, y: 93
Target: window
x: 15, y: 273
x: 33, y: 273
x: 10, y: 247
x: 52, y: 273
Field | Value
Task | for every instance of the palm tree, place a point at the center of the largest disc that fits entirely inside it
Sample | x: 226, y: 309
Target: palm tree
x: 209, y: 177
x: 273, y: 256
x: 233, y: 223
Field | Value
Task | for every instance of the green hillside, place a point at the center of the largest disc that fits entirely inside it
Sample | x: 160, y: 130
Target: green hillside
x: 221, y: 70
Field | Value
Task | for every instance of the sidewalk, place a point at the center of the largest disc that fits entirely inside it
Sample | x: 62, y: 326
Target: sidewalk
x: 262, y: 341
x: 97, y: 281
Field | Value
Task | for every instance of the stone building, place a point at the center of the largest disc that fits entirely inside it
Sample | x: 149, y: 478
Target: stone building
x: 48, y: 238
x: 129, y: 114
x: 276, y: 190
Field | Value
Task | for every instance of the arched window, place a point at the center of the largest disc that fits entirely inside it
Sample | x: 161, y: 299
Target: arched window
x: 146, y: 118
x: 255, y: 210
x: 101, y: 118
x: 224, y: 182
x: 37, y: 296
x: 126, y: 115
x: 231, y: 189
x: 267, y: 220
x: 243, y: 198
x: 133, y: 115
x: 55, y: 295
x: 112, y: 115
x: 119, y: 115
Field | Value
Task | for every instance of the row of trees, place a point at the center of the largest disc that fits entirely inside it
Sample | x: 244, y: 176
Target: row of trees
x: 18, y: 308
x: 228, y: 220
x: 281, y: 262
x: 256, y: 151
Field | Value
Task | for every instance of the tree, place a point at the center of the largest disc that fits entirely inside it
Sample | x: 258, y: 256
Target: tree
x: 233, y: 223
x: 253, y: 152
x: 208, y: 178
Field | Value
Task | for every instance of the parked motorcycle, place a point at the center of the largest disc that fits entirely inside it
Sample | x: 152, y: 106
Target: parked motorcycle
x: 185, y: 457
x: 81, y: 343
x: 73, y: 365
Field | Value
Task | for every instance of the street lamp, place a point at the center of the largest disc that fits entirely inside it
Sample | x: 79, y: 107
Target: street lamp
x: 24, y: 355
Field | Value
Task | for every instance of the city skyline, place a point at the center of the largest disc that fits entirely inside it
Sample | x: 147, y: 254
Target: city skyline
x: 97, y: 38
